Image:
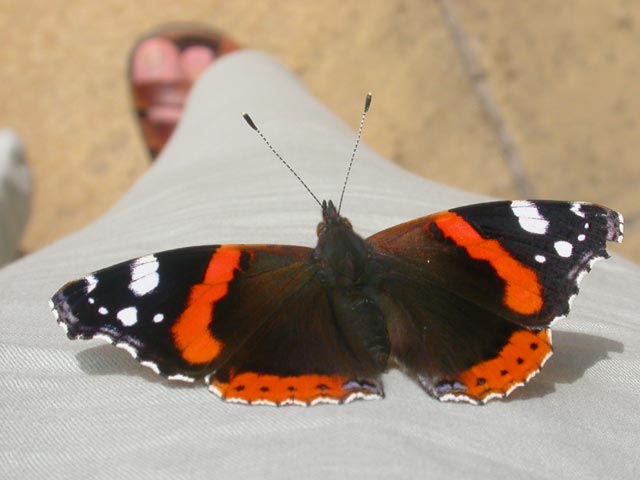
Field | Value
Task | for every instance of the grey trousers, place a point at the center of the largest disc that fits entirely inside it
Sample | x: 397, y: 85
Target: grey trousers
x: 88, y: 410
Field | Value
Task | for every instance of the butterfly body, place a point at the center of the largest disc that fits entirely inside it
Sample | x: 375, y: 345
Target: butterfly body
x: 461, y: 300
x: 350, y: 277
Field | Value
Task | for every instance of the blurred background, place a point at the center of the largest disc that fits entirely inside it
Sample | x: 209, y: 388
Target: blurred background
x: 510, y: 99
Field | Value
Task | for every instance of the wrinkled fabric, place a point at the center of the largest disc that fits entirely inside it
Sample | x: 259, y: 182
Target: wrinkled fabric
x: 85, y: 409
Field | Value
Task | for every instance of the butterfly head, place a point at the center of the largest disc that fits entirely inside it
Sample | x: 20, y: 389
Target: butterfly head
x: 331, y: 219
x: 341, y: 253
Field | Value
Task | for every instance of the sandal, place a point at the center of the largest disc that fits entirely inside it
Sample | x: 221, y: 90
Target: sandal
x: 163, y: 67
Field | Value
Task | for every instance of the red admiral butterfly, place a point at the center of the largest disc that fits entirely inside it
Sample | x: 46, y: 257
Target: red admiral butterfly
x: 462, y: 300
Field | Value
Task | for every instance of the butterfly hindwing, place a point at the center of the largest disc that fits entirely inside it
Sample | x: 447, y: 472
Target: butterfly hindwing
x: 471, y: 291
x: 230, y: 315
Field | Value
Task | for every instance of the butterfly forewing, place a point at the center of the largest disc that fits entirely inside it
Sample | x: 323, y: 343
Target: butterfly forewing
x: 135, y: 305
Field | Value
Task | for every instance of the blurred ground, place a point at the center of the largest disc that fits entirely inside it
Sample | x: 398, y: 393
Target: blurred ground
x: 510, y: 99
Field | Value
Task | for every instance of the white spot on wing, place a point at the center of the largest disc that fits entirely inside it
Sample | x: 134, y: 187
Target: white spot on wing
x: 125, y: 346
x: 292, y: 401
x: 92, y: 282
x: 144, y: 276
x: 540, y: 258
x: 53, y: 310
x: 150, y: 260
x: 529, y: 217
x: 362, y: 396
x: 212, y: 388
x: 158, y: 317
x: 329, y: 400
x: 576, y: 207
x: 128, y: 316
x: 563, y: 248
x: 458, y: 398
x: 182, y: 378
x: 264, y: 402
x: 144, y: 285
x: 64, y: 326
x: 151, y: 365
x: 581, y: 237
x: 621, y: 227
x: 103, y: 311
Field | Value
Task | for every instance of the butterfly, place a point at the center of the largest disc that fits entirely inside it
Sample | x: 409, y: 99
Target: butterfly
x: 461, y: 300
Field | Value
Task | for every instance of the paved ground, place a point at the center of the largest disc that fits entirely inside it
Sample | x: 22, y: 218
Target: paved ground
x: 506, y: 98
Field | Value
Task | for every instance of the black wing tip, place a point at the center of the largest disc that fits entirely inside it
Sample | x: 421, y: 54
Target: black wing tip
x: 615, y: 226
x: 68, y: 321
x: 612, y: 220
x: 63, y: 312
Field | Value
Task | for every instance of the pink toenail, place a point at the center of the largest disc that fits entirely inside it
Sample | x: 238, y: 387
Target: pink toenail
x: 194, y: 60
x: 156, y: 59
x: 165, y: 114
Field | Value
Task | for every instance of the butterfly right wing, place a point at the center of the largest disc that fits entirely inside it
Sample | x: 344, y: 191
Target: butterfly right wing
x: 469, y: 293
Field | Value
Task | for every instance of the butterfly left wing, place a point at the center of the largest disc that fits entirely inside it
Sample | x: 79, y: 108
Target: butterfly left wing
x: 470, y: 292
x: 253, y: 322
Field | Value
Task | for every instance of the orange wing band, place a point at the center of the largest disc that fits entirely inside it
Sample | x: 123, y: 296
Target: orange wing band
x: 253, y: 388
x: 518, y: 361
x: 191, y: 332
x: 523, y: 292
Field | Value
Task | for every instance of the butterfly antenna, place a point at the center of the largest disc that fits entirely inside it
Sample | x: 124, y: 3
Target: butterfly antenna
x: 249, y: 120
x: 367, y: 104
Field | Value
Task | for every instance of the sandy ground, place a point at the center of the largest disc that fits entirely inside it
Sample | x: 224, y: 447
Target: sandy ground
x: 510, y: 99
